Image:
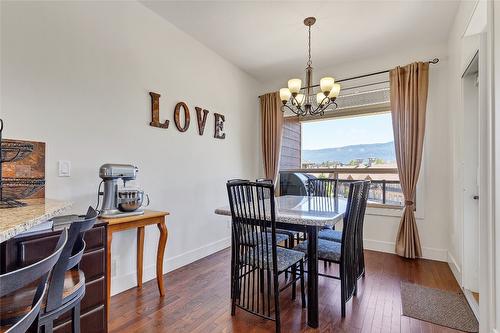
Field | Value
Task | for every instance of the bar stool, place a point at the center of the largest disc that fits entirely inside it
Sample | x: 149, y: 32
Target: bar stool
x: 22, y: 292
x: 67, y: 282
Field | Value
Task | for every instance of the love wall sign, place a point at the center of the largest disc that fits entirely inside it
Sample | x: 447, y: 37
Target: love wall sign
x: 201, y: 116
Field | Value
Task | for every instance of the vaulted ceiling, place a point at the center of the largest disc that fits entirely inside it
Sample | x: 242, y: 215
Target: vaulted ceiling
x: 268, y: 39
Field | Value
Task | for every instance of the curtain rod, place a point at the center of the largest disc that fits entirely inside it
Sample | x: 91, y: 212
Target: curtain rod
x: 433, y: 61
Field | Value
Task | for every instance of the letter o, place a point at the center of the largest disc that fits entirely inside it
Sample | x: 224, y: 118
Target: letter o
x: 177, y: 120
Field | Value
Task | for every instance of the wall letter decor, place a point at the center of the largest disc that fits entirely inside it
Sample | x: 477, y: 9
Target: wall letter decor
x: 155, y: 111
x: 219, y: 126
x: 202, y: 119
x: 177, y: 116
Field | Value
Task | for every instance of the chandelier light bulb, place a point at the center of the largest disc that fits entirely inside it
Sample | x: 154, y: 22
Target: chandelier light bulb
x: 326, y: 84
x: 334, y: 93
x: 300, y: 99
x: 285, y: 94
x: 321, y: 98
x: 294, y: 85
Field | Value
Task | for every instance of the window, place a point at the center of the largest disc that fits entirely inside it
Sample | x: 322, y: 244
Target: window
x: 352, y: 147
x: 356, y: 148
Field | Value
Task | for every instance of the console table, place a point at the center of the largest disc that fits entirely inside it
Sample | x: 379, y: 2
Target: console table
x: 139, y: 222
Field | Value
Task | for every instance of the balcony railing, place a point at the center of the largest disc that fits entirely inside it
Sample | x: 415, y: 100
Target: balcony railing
x: 383, y: 192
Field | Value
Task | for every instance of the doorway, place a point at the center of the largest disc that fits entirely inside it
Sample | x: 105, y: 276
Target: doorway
x: 471, y: 174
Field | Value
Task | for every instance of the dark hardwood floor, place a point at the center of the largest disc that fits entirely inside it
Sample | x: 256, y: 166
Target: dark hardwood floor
x: 197, y: 300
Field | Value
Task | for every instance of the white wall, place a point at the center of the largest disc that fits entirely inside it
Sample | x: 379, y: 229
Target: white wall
x: 434, y: 187
x: 77, y: 75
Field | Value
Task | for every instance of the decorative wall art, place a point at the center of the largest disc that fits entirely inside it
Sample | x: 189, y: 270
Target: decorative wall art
x: 22, y: 171
x: 183, y: 126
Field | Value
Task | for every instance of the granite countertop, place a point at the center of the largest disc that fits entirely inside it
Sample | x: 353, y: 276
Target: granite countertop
x: 14, y: 221
x: 315, y: 211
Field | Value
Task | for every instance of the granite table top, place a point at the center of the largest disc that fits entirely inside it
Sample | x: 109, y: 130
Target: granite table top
x: 14, y: 221
x: 304, y: 210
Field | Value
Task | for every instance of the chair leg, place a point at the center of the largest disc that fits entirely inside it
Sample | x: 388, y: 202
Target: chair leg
x: 277, y: 303
x: 75, y: 319
x: 294, y: 285
x: 232, y: 270
x: 342, y: 293
x: 286, y: 272
x: 302, y: 285
x: 234, y: 290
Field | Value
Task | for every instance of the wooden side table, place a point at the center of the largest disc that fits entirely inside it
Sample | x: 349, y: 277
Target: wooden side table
x: 139, y: 221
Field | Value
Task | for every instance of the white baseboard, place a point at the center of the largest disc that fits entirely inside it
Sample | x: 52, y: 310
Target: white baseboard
x: 388, y: 247
x: 127, y: 281
x: 455, y: 268
x: 472, y: 302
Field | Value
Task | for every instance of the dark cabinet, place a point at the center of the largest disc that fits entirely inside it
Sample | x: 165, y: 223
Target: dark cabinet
x: 21, y: 251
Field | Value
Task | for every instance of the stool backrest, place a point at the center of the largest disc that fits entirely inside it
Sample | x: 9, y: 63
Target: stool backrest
x: 12, y: 281
x: 70, y: 257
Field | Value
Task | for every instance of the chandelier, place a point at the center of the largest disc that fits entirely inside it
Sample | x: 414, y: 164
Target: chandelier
x: 309, y: 102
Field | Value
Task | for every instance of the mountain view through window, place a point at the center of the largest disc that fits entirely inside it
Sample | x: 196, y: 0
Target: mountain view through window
x: 358, y: 147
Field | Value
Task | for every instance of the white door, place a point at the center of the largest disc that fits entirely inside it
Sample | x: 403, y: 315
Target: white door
x: 470, y: 85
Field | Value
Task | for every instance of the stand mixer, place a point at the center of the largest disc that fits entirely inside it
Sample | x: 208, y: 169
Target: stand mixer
x: 120, y: 202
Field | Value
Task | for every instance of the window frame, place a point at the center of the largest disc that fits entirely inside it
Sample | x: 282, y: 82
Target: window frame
x: 374, y: 208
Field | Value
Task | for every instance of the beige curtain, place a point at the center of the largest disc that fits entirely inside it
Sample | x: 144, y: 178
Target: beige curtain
x: 271, y: 130
x: 409, y: 86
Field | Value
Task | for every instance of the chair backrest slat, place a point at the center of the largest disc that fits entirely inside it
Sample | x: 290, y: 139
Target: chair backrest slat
x: 322, y: 187
x: 12, y: 281
x: 348, y: 257
x: 359, y: 227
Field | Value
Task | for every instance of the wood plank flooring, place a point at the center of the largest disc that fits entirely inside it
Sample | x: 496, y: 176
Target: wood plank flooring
x: 197, y: 300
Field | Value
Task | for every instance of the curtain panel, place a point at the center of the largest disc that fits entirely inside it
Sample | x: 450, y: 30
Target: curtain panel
x: 271, y: 131
x: 409, y: 86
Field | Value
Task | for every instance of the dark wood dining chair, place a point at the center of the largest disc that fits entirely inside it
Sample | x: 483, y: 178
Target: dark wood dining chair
x: 255, y: 286
x: 280, y: 238
x: 67, y: 282
x: 343, y: 253
x: 293, y: 236
x: 336, y: 235
x: 322, y: 187
x: 22, y: 292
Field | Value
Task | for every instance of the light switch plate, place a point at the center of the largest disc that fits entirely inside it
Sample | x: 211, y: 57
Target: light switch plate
x: 64, y: 168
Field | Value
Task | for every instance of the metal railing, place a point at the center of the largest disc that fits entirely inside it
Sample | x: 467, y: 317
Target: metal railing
x: 382, y: 192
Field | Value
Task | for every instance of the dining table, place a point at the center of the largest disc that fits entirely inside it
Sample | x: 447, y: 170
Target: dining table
x: 309, y: 213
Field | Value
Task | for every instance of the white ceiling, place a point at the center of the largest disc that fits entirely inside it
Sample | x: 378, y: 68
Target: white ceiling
x: 268, y: 39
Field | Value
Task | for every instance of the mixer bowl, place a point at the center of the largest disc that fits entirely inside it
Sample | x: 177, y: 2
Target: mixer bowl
x: 130, y: 200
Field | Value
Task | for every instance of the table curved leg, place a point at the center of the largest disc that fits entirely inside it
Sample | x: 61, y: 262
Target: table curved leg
x: 140, y: 255
x: 162, y: 243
